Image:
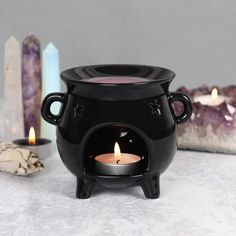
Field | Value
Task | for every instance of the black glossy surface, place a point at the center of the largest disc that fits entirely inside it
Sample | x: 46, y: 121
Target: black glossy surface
x: 157, y: 81
x: 82, y: 73
x: 89, y: 109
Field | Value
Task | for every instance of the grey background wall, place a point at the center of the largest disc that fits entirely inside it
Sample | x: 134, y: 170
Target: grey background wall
x: 197, y: 39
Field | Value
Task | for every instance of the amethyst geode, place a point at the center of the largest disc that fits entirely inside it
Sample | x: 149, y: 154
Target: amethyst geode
x: 210, y: 128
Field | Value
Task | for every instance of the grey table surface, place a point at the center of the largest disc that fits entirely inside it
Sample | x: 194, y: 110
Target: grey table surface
x: 198, y: 197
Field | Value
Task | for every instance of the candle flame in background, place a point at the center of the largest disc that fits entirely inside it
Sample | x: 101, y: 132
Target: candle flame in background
x: 117, y: 152
x: 214, y: 93
x: 32, y: 136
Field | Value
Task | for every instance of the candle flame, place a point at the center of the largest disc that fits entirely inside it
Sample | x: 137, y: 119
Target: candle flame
x: 32, y: 136
x: 214, y: 93
x: 117, y: 152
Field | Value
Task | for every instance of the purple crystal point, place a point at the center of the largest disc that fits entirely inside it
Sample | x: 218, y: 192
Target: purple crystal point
x: 31, y: 83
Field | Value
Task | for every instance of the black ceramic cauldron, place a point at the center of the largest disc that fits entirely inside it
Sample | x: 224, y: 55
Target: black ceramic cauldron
x: 105, y: 104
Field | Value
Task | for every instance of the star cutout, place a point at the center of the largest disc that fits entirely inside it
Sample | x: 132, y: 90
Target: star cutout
x: 78, y: 109
x: 155, y: 108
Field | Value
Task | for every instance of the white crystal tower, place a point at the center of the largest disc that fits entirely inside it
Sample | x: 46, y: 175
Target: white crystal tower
x: 50, y: 83
x: 13, y: 104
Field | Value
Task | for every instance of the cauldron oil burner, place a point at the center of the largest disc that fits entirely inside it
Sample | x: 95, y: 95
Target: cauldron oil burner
x: 116, y: 127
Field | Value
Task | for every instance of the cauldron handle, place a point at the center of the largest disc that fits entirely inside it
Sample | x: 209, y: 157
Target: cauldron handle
x: 46, y: 107
x: 184, y: 99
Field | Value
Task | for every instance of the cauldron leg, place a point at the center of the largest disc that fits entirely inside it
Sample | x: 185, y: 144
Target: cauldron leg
x: 85, y: 187
x: 151, y: 187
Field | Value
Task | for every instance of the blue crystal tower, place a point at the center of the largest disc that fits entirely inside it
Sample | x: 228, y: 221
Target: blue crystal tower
x: 50, y: 83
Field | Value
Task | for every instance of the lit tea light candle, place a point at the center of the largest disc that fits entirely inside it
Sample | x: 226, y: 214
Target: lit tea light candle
x: 211, y: 100
x: 40, y: 146
x: 117, y: 163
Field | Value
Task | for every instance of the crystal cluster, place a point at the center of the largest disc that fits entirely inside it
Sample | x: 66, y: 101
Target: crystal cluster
x: 211, y: 128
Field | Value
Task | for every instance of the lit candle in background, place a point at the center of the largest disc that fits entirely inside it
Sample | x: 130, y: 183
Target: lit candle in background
x: 50, y: 83
x: 12, y: 103
x: 212, y: 126
x: 31, y: 83
x: 40, y: 146
x: 211, y: 100
x: 32, y: 136
x: 117, y: 163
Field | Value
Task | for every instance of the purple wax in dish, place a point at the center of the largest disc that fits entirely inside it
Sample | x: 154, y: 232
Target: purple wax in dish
x: 117, y: 80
